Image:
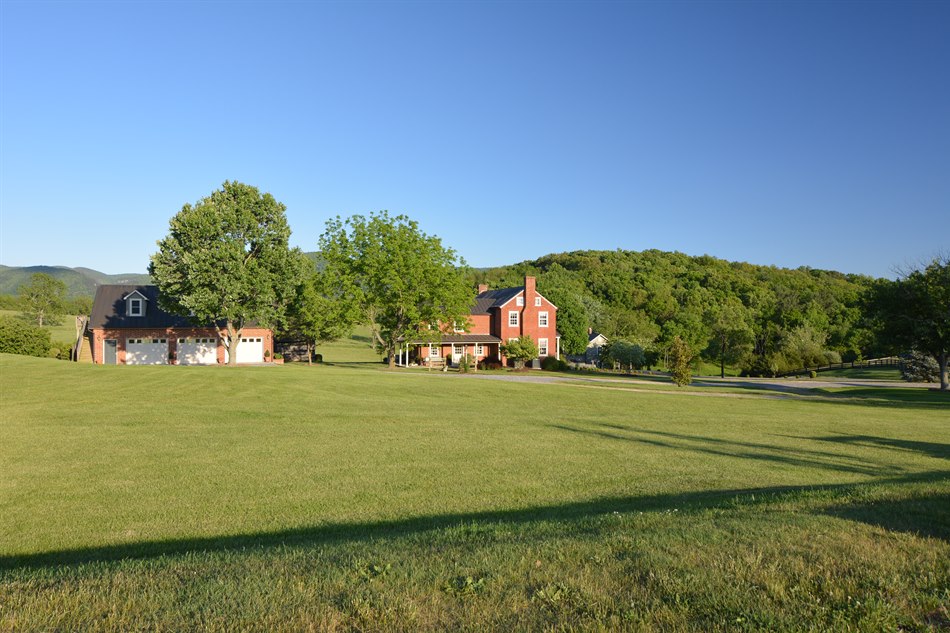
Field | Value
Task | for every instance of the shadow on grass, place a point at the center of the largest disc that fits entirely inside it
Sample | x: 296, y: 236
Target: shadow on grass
x: 792, y: 456
x: 923, y: 515
x: 903, y: 397
x: 863, y: 395
x: 931, y: 449
x: 348, y: 532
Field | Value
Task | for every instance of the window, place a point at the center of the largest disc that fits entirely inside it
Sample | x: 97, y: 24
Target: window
x: 456, y: 328
x: 433, y: 351
x: 542, y: 319
x: 537, y: 301
x: 513, y: 318
x: 542, y: 347
x: 519, y: 301
x: 135, y: 307
x: 479, y: 349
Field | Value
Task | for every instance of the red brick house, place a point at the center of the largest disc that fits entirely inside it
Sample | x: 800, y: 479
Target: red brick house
x: 127, y: 327
x: 499, y: 316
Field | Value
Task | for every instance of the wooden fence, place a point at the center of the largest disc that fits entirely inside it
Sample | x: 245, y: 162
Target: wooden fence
x: 888, y: 361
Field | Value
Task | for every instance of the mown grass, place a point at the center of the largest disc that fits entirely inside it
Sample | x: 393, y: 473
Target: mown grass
x: 339, y: 497
x: 864, y: 373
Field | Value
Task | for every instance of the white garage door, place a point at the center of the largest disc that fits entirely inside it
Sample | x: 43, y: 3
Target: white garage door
x: 197, y: 351
x: 250, y: 350
x: 146, y: 351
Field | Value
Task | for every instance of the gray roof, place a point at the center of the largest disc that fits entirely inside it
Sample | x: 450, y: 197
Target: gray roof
x: 109, y: 309
x: 489, y: 299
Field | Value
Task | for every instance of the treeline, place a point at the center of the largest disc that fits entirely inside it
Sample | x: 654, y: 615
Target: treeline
x: 762, y: 319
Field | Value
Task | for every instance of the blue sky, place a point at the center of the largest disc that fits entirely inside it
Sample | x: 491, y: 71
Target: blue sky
x: 777, y: 133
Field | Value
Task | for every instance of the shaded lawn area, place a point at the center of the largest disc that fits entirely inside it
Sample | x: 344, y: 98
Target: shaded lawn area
x: 290, y: 497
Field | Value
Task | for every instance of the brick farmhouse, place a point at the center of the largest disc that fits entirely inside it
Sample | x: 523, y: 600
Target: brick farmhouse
x: 498, y: 316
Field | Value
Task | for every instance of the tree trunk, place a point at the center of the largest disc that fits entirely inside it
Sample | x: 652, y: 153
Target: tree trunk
x: 309, y: 353
x: 234, y: 337
x: 942, y: 361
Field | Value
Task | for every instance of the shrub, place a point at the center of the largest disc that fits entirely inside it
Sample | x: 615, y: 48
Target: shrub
x: 681, y: 362
x: 919, y: 367
x: 832, y: 357
x: 465, y: 363
x: 549, y: 363
x: 813, y: 374
x: 520, y: 350
x: 490, y: 362
x: 61, y: 350
x: 318, y: 358
x: 19, y: 337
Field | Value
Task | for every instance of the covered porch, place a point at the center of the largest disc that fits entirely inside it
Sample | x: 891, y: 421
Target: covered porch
x: 448, y: 350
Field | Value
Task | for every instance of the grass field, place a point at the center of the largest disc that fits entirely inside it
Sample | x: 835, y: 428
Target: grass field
x: 64, y: 332
x: 352, y: 497
x: 864, y: 373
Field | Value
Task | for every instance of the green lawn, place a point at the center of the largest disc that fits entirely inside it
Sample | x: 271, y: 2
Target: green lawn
x: 347, y: 496
x: 356, y: 348
x: 864, y: 373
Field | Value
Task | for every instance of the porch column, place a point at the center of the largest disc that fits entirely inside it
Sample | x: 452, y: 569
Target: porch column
x: 558, y: 355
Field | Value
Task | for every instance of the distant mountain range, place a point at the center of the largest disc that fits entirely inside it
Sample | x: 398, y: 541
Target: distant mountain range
x: 80, y: 282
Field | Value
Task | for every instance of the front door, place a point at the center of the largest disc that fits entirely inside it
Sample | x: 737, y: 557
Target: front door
x: 458, y: 352
x: 109, y: 354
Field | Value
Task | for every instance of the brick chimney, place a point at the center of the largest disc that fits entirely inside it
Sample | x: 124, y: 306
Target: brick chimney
x: 482, y: 288
x: 529, y: 289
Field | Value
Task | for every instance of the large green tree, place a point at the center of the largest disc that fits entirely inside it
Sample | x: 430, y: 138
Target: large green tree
x: 226, y: 261
x: 730, y: 338
x: 43, y: 300
x: 399, y: 278
x: 320, y: 312
x: 914, y: 312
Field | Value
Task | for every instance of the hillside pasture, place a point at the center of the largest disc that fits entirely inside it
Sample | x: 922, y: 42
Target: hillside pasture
x: 352, y: 497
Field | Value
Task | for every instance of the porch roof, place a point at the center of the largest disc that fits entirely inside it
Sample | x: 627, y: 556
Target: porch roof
x: 460, y: 338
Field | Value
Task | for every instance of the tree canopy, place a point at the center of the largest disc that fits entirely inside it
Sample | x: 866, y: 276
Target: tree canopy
x: 760, y: 318
x: 319, y: 313
x: 914, y: 312
x: 400, y: 280
x: 43, y: 300
x: 226, y: 261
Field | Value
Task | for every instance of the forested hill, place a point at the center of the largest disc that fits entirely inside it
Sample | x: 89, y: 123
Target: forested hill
x: 759, y: 317
x: 80, y: 282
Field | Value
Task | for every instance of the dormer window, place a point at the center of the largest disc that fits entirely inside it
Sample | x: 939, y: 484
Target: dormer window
x: 135, y: 304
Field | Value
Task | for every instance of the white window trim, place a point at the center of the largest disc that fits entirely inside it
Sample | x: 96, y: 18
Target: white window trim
x: 135, y: 302
x: 433, y: 351
x: 517, y: 319
x: 519, y: 300
x: 479, y: 349
x: 543, y: 347
x: 537, y: 301
x: 543, y: 315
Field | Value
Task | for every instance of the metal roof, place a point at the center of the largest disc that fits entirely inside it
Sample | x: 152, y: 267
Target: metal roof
x: 109, y: 309
x: 460, y: 338
x: 489, y: 299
